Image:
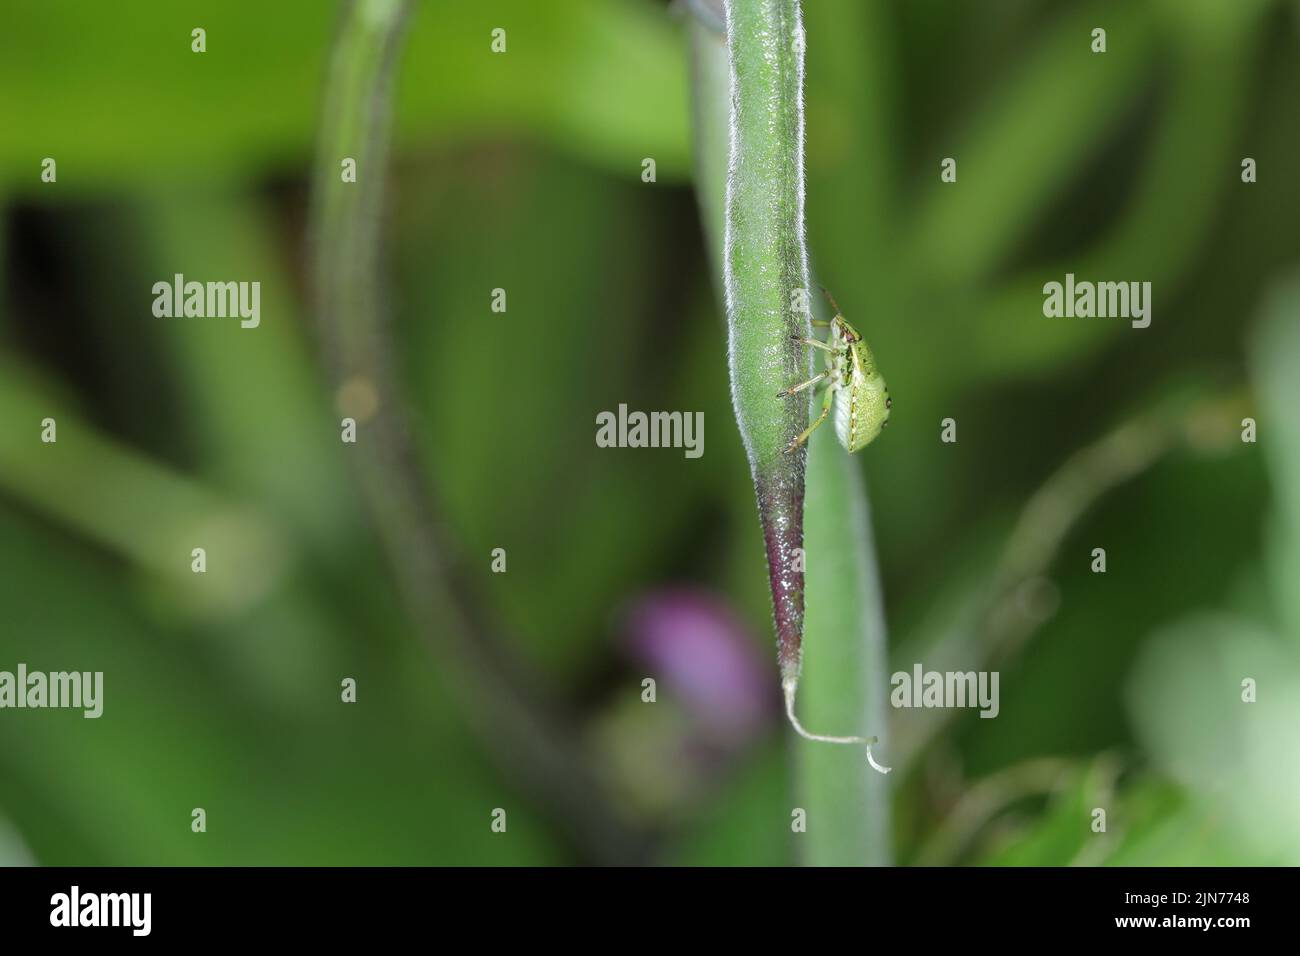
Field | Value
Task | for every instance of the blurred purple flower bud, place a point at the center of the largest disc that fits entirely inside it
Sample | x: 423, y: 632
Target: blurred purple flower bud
x: 698, y: 650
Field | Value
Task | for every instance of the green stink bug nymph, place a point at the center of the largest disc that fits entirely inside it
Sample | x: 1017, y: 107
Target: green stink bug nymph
x: 856, y: 391
x: 857, y: 395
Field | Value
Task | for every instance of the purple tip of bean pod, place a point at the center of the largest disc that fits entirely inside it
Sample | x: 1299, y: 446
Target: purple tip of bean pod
x: 697, y: 649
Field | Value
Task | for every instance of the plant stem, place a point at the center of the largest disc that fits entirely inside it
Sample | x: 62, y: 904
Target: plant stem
x: 767, y: 273
x: 524, y: 733
x: 765, y: 269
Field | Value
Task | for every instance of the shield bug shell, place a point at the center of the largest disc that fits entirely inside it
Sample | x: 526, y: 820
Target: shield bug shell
x: 856, y: 394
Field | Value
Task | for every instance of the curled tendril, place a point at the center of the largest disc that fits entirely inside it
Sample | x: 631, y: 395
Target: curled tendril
x: 790, y: 687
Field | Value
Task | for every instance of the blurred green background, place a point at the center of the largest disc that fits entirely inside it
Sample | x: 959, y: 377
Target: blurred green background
x: 522, y: 171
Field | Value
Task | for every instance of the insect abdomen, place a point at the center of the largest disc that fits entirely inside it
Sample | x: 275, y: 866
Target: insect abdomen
x: 861, y: 406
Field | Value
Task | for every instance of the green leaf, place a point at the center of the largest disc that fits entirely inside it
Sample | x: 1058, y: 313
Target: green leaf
x: 843, y: 689
x: 119, y: 97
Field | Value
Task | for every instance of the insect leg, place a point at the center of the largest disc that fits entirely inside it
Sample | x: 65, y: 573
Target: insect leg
x: 793, y: 389
x: 804, y: 435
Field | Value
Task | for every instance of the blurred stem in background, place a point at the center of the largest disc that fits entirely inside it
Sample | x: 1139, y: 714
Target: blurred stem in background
x: 710, y: 63
x: 1019, y: 597
x: 124, y: 501
x: 528, y: 737
x: 983, y: 802
x: 847, y: 802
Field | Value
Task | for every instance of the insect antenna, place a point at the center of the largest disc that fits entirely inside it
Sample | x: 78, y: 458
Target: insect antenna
x: 831, y: 299
x: 789, y: 688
